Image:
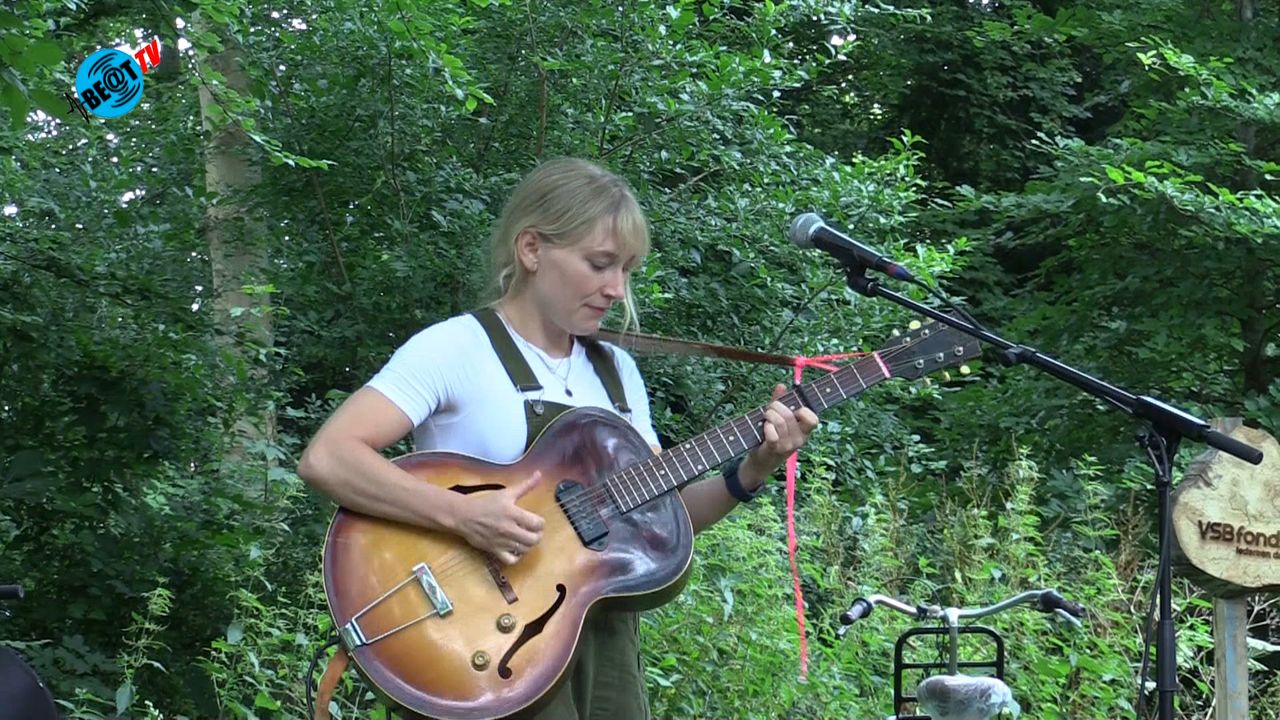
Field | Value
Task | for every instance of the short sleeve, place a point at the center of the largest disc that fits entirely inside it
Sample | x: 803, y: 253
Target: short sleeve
x: 417, y: 377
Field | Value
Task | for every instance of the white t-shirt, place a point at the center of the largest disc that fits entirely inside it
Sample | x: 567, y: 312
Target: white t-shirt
x: 450, y: 383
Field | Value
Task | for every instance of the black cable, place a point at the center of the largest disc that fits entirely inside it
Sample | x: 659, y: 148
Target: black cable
x: 1141, y: 703
x: 947, y: 301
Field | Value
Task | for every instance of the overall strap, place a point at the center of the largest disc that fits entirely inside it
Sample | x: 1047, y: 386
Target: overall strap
x: 603, y: 363
x: 512, y: 360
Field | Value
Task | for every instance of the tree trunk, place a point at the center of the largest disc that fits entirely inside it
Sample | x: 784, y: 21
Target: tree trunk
x: 237, y: 251
x: 1258, y: 373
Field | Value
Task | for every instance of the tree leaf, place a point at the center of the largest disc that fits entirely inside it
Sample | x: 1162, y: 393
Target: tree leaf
x: 263, y: 700
x: 17, y: 104
x: 24, y: 463
x: 124, y: 697
x: 52, y: 103
x: 45, y: 52
x: 235, y: 632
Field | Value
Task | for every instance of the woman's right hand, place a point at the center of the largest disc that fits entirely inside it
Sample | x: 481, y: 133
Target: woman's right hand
x: 494, y: 523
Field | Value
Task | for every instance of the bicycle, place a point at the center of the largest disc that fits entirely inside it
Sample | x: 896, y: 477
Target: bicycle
x: 22, y: 695
x: 954, y: 696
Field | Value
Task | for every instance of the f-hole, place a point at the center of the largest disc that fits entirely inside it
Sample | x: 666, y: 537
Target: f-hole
x: 531, y: 630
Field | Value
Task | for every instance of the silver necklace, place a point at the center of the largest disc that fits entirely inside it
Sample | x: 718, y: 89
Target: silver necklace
x: 566, y: 362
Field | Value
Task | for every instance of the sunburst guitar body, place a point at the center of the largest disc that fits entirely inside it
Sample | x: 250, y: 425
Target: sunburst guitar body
x: 445, y: 631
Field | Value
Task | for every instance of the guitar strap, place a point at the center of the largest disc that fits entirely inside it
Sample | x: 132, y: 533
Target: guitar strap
x: 537, y: 418
x: 522, y: 375
x: 329, y: 681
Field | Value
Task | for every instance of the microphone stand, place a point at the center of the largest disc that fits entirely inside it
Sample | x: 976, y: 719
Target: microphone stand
x: 1168, y: 425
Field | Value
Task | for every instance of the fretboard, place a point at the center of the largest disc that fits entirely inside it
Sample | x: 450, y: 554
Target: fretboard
x: 674, y: 468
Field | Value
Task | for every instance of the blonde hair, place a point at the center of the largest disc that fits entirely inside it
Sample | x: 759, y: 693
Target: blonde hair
x: 563, y: 200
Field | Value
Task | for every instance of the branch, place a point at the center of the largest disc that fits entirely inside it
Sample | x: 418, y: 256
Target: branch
x: 58, y: 273
x: 693, y: 180
x: 315, y: 181
x: 394, y: 164
x: 632, y: 140
x: 613, y: 95
x: 542, y: 84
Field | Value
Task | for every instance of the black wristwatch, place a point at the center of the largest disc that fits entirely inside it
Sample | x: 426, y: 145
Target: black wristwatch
x: 734, y: 485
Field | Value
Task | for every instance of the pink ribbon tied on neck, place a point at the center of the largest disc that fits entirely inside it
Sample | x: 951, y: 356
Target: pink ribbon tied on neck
x: 799, y: 363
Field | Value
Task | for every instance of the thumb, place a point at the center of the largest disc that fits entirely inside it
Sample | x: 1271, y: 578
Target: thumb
x: 779, y: 390
x: 523, y: 487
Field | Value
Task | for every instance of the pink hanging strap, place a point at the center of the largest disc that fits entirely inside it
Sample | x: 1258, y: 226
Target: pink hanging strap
x: 799, y: 363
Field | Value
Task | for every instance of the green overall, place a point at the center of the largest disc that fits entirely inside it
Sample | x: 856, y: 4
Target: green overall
x: 605, y: 680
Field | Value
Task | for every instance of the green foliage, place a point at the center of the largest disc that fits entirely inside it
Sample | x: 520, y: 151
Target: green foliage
x: 1095, y: 179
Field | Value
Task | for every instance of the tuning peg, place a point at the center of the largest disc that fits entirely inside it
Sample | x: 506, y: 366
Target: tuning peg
x: 964, y: 370
x: 928, y: 382
x: 946, y: 376
x: 896, y: 332
x: 913, y: 325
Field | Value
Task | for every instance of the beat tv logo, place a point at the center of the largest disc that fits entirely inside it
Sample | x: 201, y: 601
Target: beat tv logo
x: 109, y: 82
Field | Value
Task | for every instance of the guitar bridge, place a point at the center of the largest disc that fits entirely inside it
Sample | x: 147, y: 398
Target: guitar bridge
x: 353, y: 636
x: 576, y: 502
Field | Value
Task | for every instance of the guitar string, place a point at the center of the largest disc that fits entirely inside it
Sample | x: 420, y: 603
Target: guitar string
x: 609, y: 510
x: 706, y: 441
x: 697, y: 444
x: 469, y: 561
x: 448, y: 566
x: 598, y: 495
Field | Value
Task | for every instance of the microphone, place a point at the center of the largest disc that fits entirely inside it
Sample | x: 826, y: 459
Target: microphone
x: 810, y: 230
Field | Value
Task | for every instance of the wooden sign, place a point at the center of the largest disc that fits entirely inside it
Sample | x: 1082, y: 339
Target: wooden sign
x: 1226, y: 517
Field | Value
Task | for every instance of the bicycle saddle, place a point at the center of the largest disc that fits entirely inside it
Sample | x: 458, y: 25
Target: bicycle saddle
x: 960, y: 697
x: 22, y: 695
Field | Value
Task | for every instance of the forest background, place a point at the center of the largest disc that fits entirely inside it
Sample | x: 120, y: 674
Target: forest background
x: 188, y: 290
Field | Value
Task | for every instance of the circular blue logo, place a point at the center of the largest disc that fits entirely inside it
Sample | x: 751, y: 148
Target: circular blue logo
x: 109, y: 83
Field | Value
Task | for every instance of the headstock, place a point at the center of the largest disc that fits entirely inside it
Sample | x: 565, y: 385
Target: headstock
x: 925, y: 347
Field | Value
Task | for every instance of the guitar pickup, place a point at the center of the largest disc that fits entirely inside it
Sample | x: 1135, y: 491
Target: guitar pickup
x: 576, y: 502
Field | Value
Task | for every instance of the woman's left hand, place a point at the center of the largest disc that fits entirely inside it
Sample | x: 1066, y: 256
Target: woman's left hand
x: 784, y: 433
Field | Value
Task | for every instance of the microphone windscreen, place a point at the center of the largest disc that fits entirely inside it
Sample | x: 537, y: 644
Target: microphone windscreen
x: 802, y: 229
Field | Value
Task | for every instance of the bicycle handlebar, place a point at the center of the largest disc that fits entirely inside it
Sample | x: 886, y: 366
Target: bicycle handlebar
x: 11, y: 592
x: 1051, y: 601
x: 1045, y: 601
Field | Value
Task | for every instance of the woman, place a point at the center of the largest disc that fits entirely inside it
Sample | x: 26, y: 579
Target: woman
x: 485, y: 383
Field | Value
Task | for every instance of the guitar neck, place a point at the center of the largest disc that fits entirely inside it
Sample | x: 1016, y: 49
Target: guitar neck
x: 676, y: 467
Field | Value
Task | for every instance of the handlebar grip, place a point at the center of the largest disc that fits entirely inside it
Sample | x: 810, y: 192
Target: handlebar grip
x: 1051, y: 601
x: 859, y: 609
x: 11, y: 592
x: 1232, y: 446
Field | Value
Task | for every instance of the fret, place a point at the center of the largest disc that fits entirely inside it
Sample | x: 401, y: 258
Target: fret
x: 824, y: 393
x: 653, y: 490
x: 854, y: 368
x: 734, y: 424
x: 688, y: 463
x: 705, y: 465
x: 666, y: 470
x: 838, y: 379
x: 725, y: 440
x: 802, y: 397
x: 636, y: 487
x: 611, y: 487
x: 633, y: 500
